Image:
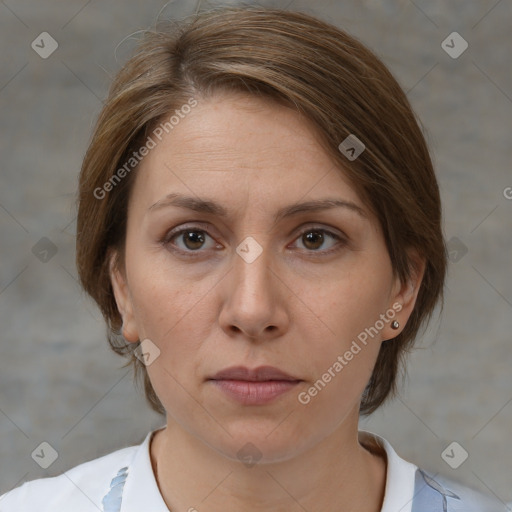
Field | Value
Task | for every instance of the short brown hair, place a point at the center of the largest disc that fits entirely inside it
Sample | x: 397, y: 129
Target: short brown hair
x: 299, y: 61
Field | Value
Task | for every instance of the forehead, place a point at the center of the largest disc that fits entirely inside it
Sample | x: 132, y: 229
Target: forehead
x: 239, y: 144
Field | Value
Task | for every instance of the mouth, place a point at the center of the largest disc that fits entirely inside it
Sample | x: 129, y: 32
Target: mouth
x: 254, y: 387
x: 260, y: 374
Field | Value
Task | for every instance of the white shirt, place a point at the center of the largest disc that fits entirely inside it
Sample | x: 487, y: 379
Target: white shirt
x: 123, y: 481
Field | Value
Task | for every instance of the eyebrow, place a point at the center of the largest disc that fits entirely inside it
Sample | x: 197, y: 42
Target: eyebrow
x: 210, y: 207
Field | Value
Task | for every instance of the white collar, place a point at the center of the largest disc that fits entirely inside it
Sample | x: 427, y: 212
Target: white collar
x: 141, y: 490
x: 400, y: 477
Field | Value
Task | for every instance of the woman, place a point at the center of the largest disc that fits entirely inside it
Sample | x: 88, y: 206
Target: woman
x: 260, y: 224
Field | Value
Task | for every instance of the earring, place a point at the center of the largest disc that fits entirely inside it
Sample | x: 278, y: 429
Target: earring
x: 395, y: 325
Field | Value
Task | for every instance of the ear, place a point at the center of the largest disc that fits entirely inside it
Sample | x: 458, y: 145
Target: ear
x: 123, y: 298
x: 404, y: 295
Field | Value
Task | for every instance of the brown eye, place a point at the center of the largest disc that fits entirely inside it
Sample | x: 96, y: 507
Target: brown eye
x: 191, y: 239
x: 313, y: 239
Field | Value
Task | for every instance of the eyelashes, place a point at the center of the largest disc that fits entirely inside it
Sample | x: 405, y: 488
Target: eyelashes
x: 198, y: 238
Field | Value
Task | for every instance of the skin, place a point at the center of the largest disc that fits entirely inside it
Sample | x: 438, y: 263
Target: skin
x: 297, y: 306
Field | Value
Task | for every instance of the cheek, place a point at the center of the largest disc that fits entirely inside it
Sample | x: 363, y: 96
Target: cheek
x: 340, y: 367
x: 354, y: 302
x: 344, y: 356
x: 159, y: 296
x: 165, y: 308
x: 176, y: 316
x: 172, y: 310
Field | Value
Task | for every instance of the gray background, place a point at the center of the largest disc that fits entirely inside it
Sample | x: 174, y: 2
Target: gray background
x: 60, y: 383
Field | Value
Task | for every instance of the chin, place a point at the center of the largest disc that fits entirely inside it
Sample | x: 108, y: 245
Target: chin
x: 260, y: 445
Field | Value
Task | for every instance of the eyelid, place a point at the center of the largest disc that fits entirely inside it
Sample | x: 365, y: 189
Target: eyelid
x: 312, y: 226
x: 197, y: 226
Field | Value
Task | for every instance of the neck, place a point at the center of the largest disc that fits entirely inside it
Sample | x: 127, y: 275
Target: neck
x: 336, y: 474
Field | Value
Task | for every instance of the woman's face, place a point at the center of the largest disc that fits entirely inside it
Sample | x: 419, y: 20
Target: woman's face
x: 255, y: 279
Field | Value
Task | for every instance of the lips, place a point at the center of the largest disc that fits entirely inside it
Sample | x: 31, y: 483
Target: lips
x: 259, y: 386
x: 260, y: 374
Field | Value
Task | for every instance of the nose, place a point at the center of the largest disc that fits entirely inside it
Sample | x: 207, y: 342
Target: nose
x: 254, y: 299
